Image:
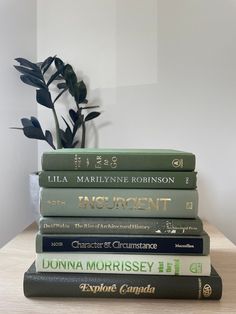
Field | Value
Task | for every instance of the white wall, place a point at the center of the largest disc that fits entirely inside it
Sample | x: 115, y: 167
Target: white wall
x: 18, y: 155
x: 163, y: 72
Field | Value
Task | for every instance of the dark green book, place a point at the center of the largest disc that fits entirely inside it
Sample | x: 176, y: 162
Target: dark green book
x: 119, y: 202
x: 118, y: 225
x: 119, y: 179
x: 118, y: 159
x: 92, y: 285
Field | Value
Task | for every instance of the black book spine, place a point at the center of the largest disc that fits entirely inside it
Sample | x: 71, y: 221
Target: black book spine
x: 122, y: 286
x: 123, y: 244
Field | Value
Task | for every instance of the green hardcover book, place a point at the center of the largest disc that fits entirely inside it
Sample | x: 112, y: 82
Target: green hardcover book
x: 119, y: 179
x: 118, y: 159
x: 89, y: 285
x: 119, y: 225
x: 179, y: 265
x: 119, y: 202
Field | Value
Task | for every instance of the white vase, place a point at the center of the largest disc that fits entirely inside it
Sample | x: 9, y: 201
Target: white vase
x: 34, y: 195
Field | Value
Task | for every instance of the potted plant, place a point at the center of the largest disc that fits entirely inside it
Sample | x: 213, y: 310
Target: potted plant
x: 42, y: 76
x: 52, y: 78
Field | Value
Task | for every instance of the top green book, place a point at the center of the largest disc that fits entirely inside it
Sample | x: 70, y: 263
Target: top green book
x: 118, y: 159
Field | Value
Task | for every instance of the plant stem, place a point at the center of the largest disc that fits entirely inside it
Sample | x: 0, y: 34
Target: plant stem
x: 59, y: 144
x: 83, y: 135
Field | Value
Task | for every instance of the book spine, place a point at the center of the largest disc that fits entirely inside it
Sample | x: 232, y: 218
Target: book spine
x: 123, y: 244
x: 118, y: 179
x: 121, y: 286
x: 119, y: 202
x: 124, y: 264
x: 118, y: 161
x: 117, y: 225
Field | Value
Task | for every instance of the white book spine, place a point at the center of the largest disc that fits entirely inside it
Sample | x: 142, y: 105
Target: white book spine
x: 124, y: 264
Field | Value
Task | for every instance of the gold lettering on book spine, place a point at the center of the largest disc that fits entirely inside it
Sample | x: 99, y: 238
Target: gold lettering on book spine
x: 77, y: 162
x: 56, y: 203
x: 140, y: 203
x: 122, y: 290
x: 102, y: 288
x: 137, y: 290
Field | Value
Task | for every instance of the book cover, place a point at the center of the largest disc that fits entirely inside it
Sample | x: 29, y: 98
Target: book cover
x: 118, y: 179
x: 120, y: 225
x: 180, y: 265
x: 89, y: 285
x: 119, y: 202
x: 118, y: 159
x: 143, y: 244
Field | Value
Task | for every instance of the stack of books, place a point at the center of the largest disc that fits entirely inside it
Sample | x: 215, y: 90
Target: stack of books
x: 121, y: 223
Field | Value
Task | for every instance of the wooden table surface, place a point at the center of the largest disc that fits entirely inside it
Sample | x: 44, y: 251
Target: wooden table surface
x: 18, y: 255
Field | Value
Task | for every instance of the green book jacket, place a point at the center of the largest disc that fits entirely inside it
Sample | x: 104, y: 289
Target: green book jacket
x: 119, y: 202
x: 119, y: 179
x: 120, y: 225
x: 118, y: 159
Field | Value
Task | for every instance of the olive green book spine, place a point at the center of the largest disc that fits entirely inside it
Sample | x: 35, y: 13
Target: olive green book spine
x: 120, y: 225
x: 90, y: 285
x: 118, y: 159
x: 119, y: 179
x: 119, y: 202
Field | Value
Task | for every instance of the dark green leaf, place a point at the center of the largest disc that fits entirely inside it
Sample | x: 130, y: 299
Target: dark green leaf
x: 66, y: 138
x: 33, y: 132
x: 31, y: 80
x: 32, y: 126
x: 69, y: 135
x: 92, y: 115
x: 80, y: 92
x: 77, y: 124
x: 28, y: 64
x: 74, y: 115
x: 66, y: 123
x: 61, y: 85
x: 62, y: 136
x: 35, y: 122
x: 70, y: 78
x: 54, y: 76
x: 58, y: 63
x: 69, y: 74
x: 46, y: 64
x: 26, y: 122
x: 24, y: 70
x: 32, y: 129
x: 49, y: 139
x: 43, y: 97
